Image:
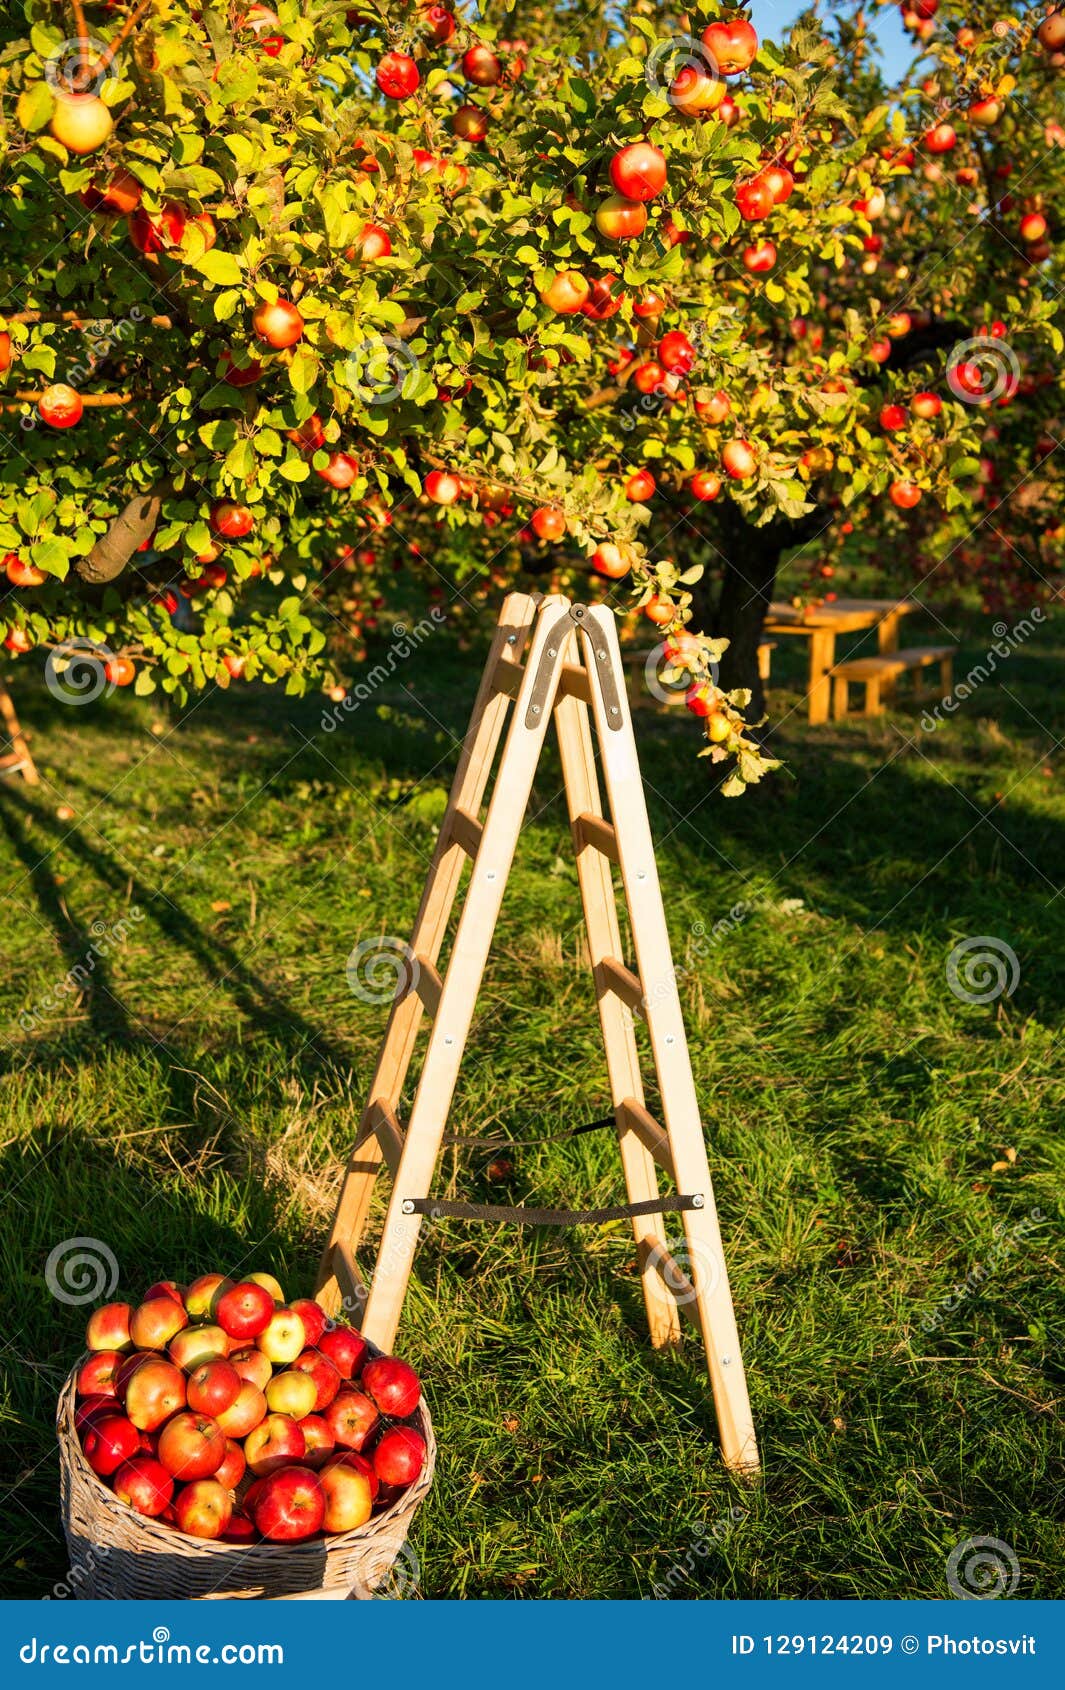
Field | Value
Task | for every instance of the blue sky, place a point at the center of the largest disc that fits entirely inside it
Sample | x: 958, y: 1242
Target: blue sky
x: 770, y: 17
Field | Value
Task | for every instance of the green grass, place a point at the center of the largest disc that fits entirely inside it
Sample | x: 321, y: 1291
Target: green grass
x: 191, y: 1110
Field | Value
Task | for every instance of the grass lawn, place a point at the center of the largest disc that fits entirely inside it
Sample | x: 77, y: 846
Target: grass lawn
x: 874, y: 1140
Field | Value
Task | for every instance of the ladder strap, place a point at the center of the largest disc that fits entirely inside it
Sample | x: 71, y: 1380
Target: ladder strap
x: 451, y: 1139
x: 436, y: 1210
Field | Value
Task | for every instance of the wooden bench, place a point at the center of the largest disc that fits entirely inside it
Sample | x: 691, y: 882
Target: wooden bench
x: 874, y: 673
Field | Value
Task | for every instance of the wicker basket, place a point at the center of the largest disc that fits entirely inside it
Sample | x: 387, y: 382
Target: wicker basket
x: 117, y: 1554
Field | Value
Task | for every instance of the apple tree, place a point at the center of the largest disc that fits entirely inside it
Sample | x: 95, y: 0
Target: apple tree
x: 297, y: 299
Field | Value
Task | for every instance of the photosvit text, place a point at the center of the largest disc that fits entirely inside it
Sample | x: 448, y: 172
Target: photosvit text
x: 854, y: 1643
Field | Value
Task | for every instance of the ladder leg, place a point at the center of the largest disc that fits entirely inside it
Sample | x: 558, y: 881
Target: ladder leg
x: 619, y: 1038
x: 467, y: 793
x: 454, y: 1013
x: 705, y: 1264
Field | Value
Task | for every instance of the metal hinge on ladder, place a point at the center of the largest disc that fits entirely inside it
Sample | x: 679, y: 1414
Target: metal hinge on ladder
x: 544, y: 677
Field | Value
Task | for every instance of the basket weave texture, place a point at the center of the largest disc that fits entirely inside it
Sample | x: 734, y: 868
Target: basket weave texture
x: 118, y: 1554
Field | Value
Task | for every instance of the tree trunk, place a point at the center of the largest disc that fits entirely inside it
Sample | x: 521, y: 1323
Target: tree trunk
x: 752, y: 557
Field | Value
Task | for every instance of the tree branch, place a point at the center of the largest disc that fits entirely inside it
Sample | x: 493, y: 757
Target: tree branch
x: 81, y: 318
x: 91, y: 401
x: 123, y: 36
x: 130, y: 528
x: 82, y: 75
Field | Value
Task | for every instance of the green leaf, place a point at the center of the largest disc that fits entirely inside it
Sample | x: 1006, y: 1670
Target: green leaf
x: 35, y: 107
x: 221, y: 268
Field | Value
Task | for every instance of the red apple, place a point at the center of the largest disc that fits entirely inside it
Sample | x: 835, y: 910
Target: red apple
x: 548, y: 522
x: 611, y: 561
x: 705, y: 485
x: 1033, y: 226
x: 892, y: 417
x: 760, y: 257
x: 340, y: 471
x: 345, y: 1348
x: 144, y: 1484
x: 620, y: 219
x: 197, y: 1344
x: 442, y: 487
x: 754, y: 198
x: 94, y: 1408
x: 232, y: 521
x: 640, y: 486
x: 348, y: 1498
x: 324, y: 1376
x: 638, y: 172
x: 739, y: 460
x: 731, y: 45
x: 926, y: 405
x: 152, y: 235
x: 350, y: 1458
x: 319, y: 1440
x: 109, y: 1440
x: 233, y: 1465
x: 98, y: 1377
x: 394, y: 1386
x: 245, y: 1310
x: 351, y: 1417
x: 373, y: 243
x: 480, y: 65
x: 213, y: 1387
x: 399, y: 1456
x: 152, y: 1325
x: 252, y: 1364
x: 243, y: 1416
x: 192, y: 1446
x: 59, y: 406
x: 108, y: 1327
x: 676, y: 352
x: 397, y: 76
x: 277, y: 325
x: 165, y: 1288
x: 203, y: 1508
x: 471, y: 123
x: 905, y: 494
x: 290, y: 1505
x: 240, y: 1529
x: 276, y: 1442
x: 313, y: 1316
x: 566, y: 292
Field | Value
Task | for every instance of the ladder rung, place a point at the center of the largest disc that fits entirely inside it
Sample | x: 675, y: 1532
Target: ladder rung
x: 612, y: 976
x: 388, y: 1133
x: 427, y: 984
x: 508, y: 677
x: 593, y: 830
x: 573, y: 682
x: 347, y: 1276
x: 635, y: 1117
x: 466, y: 831
x: 674, y: 1279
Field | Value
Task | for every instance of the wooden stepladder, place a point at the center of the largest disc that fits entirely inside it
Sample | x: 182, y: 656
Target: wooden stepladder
x: 549, y: 658
x: 15, y: 758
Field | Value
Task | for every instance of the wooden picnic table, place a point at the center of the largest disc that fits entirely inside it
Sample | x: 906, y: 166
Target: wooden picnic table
x: 821, y: 623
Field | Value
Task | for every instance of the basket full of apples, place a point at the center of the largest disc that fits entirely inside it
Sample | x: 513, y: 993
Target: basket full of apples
x: 218, y: 1441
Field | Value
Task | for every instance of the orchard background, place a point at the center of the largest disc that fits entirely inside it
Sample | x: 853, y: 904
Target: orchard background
x: 321, y: 326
